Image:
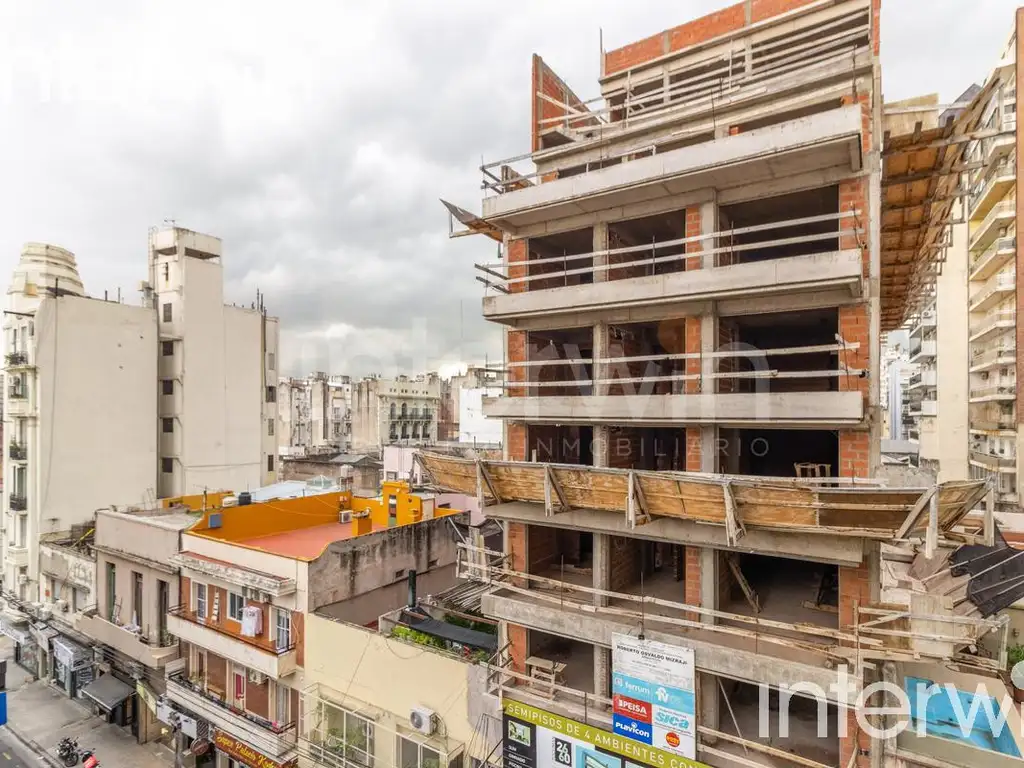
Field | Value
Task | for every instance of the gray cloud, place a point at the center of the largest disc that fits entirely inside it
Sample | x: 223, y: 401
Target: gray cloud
x: 317, y: 139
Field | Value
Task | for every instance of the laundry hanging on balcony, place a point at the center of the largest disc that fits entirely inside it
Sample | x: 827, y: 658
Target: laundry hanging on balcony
x: 252, y: 621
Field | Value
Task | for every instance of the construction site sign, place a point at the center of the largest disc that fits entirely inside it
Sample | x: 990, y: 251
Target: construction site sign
x: 536, y: 738
x: 653, y: 694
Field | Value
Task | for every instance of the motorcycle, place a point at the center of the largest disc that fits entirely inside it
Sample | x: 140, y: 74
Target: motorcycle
x: 70, y: 754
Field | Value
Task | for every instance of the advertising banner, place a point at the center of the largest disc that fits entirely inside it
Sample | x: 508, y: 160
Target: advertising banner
x: 536, y: 738
x: 653, y: 694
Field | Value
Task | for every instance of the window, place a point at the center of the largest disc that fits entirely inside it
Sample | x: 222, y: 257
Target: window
x: 167, y: 313
x: 235, y: 606
x: 348, y: 736
x: 238, y: 689
x: 168, y: 424
x: 283, y: 628
x: 168, y: 386
x: 270, y: 462
x: 270, y: 427
x: 167, y: 348
x: 163, y: 596
x: 167, y: 465
x: 413, y: 754
x: 137, y: 617
x: 199, y: 600
x: 282, y: 705
x: 270, y: 360
x: 111, y: 592
x: 271, y: 394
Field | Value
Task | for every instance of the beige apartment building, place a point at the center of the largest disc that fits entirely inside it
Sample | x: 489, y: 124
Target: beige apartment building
x: 992, y: 203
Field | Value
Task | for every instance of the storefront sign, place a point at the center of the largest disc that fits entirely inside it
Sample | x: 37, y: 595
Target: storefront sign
x: 653, y: 694
x: 239, y: 750
x: 536, y: 738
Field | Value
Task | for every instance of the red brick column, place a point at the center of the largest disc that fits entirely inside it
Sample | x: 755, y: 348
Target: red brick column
x: 854, y: 459
x: 693, y: 228
x: 517, y: 252
x: 693, y: 365
x: 692, y: 579
x: 854, y: 589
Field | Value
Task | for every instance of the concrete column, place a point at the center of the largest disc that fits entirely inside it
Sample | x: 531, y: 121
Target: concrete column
x: 602, y: 567
x: 709, y: 690
x: 600, y: 244
x: 709, y: 224
x: 708, y: 433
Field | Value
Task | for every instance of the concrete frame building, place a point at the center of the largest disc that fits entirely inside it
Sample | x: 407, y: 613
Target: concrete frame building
x: 695, y: 276
x: 992, y: 209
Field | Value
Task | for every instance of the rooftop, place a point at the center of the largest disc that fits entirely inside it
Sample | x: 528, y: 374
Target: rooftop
x: 174, y: 519
x: 295, y: 489
x: 303, y: 543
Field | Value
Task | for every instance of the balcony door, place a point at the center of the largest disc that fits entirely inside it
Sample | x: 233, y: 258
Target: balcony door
x: 282, y: 629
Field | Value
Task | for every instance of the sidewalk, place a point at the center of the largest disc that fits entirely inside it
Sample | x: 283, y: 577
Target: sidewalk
x: 42, y: 715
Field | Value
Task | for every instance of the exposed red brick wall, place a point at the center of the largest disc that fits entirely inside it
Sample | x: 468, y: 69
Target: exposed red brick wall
x: 854, y: 588
x: 693, y: 345
x: 257, y: 698
x: 517, y: 342
x: 542, y: 548
x: 625, y: 448
x: 855, y: 739
x: 517, y: 254
x: 517, y: 442
x: 625, y: 565
x: 635, y: 53
x: 544, y: 80
x: 854, y: 457
x: 217, y: 673
x: 765, y: 9
x: 691, y: 579
x: 517, y: 650
x: 693, y: 228
x: 517, y: 546
x: 694, y: 452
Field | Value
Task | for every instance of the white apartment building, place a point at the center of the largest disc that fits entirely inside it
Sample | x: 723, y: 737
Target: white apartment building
x: 292, y: 416
x: 217, y: 369
x: 402, y: 411
x: 79, y: 408
x: 992, y: 286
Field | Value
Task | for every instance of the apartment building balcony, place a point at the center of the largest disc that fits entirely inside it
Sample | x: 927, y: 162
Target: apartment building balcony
x: 275, y: 740
x: 17, y: 502
x: 997, y: 423
x: 17, y: 452
x: 993, y: 325
x: 638, y: 281
x: 994, y: 290
x: 1001, y: 251
x: 255, y: 653
x: 923, y: 408
x: 999, y: 148
x: 993, y: 188
x: 927, y: 378
x: 993, y: 226
x: 16, y: 555
x: 153, y: 652
x: 993, y: 462
x: 926, y: 322
x: 924, y: 350
x: 983, y: 359
x: 17, y: 360
x: 993, y: 393
x: 823, y: 141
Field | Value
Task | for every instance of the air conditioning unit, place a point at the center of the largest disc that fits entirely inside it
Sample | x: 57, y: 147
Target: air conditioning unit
x: 423, y: 720
x: 345, y: 516
x: 257, y: 678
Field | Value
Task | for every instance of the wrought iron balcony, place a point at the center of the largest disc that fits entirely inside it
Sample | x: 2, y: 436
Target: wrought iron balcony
x: 17, y: 358
x: 17, y: 502
x: 18, y: 452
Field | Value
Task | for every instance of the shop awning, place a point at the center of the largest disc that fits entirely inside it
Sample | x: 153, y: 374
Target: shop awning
x: 107, y: 691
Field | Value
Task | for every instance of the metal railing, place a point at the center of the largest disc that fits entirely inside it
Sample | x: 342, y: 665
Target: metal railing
x: 983, y: 356
x: 184, y: 612
x: 645, y: 260
x: 993, y: 461
x: 17, y: 391
x: 16, y: 358
x: 1000, y: 282
x: 1007, y: 244
x: 17, y: 502
x: 17, y: 451
x: 277, y: 729
x: 991, y: 391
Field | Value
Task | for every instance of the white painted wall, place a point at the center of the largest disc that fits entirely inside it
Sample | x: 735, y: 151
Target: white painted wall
x: 474, y: 427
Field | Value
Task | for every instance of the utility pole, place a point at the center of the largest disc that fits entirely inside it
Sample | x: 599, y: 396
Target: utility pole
x: 178, y: 761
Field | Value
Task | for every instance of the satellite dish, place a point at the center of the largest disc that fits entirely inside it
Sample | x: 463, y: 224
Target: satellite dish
x: 1017, y: 674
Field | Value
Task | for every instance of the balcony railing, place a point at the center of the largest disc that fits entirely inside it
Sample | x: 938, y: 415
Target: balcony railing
x: 1003, y: 354
x: 17, y: 392
x: 277, y: 729
x: 993, y: 461
x: 17, y: 502
x: 993, y: 290
x: 17, y: 452
x: 990, y: 424
x: 184, y: 612
x: 983, y: 234
x: 1006, y: 390
x: 16, y: 358
x: 992, y: 258
x: 994, y: 322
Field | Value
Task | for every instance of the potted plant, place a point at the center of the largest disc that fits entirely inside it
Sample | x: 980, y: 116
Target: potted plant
x: 1015, y: 655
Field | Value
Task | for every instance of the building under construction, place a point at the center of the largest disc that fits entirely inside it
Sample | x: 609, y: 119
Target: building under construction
x: 696, y: 270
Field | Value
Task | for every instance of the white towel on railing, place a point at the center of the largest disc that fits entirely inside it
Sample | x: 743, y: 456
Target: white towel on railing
x: 252, y: 621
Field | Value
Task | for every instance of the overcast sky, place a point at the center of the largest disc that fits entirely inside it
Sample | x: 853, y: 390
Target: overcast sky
x: 315, y: 138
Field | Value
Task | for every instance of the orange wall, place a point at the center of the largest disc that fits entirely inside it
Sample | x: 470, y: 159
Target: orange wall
x: 409, y: 506
x: 278, y: 516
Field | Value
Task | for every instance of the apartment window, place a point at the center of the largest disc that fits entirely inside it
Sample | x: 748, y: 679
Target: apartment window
x: 282, y: 705
x: 271, y: 394
x: 167, y: 465
x: 167, y: 313
x: 235, y: 606
x: 270, y: 462
x: 413, y: 754
x: 163, y: 592
x: 282, y: 628
x: 111, y: 592
x: 352, y: 735
x: 199, y: 600
x: 270, y: 427
x: 271, y: 363
x: 137, y: 619
x: 22, y: 538
x: 168, y: 425
x: 168, y: 386
x: 167, y: 348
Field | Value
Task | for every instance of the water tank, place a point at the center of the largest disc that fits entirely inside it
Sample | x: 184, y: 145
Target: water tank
x: 244, y: 498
